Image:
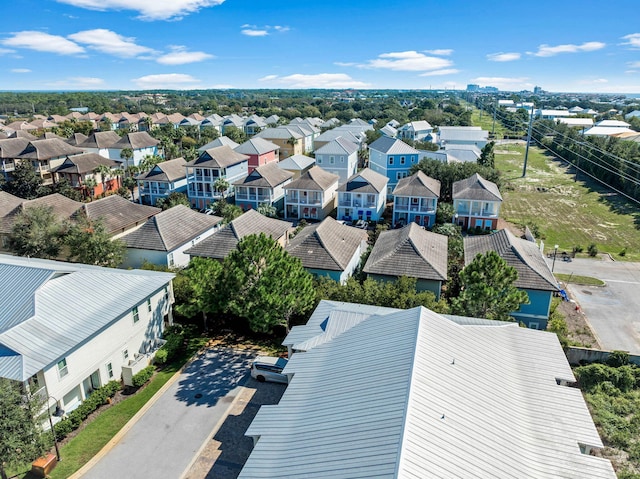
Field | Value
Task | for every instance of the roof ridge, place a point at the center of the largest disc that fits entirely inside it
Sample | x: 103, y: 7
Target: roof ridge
x: 324, y: 244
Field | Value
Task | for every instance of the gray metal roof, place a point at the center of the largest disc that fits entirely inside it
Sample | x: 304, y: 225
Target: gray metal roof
x: 365, y: 181
x: 256, y: 146
x: 462, y: 133
x: 268, y: 175
x: 524, y: 256
x: 410, y: 251
x: 280, y: 133
x: 222, y: 141
x: 339, y: 146
x: 316, y: 179
x: 56, y: 307
x: 392, y: 146
x: 454, y: 401
x: 418, y: 184
x: 476, y: 188
x: 170, y: 229
x: 296, y: 162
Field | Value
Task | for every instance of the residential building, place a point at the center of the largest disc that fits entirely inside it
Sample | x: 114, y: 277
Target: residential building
x: 476, y: 202
x: 264, y: 185
x: 391, y: 393
x: 605, y: 128
x: 101, y: 143
x: 392, y: 158
x: 329, y: 249
x: 220, y: 141
x: 312, y: 196
x: 254, y: 124
x: 141, y: 145
x: 340, y: 157
x: 416, y: 131
x: 163, y: 239
x: 413, y: 252
x: 330, y: 135
x: 219, y: 245
x: 363, y: 196
x: 216, y: 166
x: 462, y: 135
x: 118, y: 214
x: 534, y: 275
x: 45, y: 156
x: 68, y: 329
x: 10, y: 148
x: 297, y: 164
x: 77, y: 169
x: 259, y: 151
x: 162, y: 180
x: 290, y: 141
x: 415, y: 200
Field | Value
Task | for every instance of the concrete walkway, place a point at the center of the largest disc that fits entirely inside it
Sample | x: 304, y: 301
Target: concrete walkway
x: 165, y: 439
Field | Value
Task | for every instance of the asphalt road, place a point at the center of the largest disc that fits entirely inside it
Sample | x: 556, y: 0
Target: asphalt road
x: 612, y: 310
x: 165, y: 439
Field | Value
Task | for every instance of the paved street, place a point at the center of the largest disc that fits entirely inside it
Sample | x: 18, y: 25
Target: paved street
x: 612, y: 310
x: 166, y: 439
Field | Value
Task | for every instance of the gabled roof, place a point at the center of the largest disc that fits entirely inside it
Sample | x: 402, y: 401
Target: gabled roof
x: 46, y: 149
x: 170, y: 229
x: 410, y: 251
x: 392, y: 146
x: 268, y: 175
x: 51, y: 307
x: 315, y: 179
x: 22, y: 134
x: 524, y: 256
x: 85, y: 163
x: 100, y: 139
x: 256, y: 146
x: 62, y: 207
x: 117, y: 213
x: 8, y: 203
x: 12, y: 147
x: 421, y: 125
x: 328, y: 245
x: 335, y: 133
x: 462, y: 133
x: 135, y: 141
x: 220, y: 244
x: 339, y: 146
x: 170, y: 170
x: 296, y: 162
x: 76, y: 139
x: 218, y: 157
x: 476, y: 188
x: 418, y: 184
x: 221, y: 141
x: 424, y: 419
x: 279, y: 133
x: 365, y: 181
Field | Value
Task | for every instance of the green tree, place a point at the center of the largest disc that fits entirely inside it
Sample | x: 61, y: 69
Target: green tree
x: 235, y: 134
x: 488, y: 289
x: 127, y: 155
x: 268, y: 210
x: 221, y: 185
x: 21, y: 440
x: 173, y: 199
x: 64, y: 188
x: 265, y: 284
x: 149, y: 161
x: 203, y: 279
x: 105, y: 173
x: 25, y: 182
x: 487, y: 156
x: 36, y: 233
x: 90, y: 184
x: 90, y: 243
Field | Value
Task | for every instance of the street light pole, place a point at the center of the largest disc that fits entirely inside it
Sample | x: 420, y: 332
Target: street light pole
x: 555, y: 253
x: 53, y: 431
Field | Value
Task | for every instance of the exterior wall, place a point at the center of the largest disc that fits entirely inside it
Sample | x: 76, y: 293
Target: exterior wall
x: 202, y: 199
x: 259, y: 160
x: 469, y: 213
x: 323, y: 207
x: 421, y: 284
x: 420, y: 210
x: 138, y: 154
x: 104, y: 152
x: 287, y: 150
x: 394, y: 167
x: 252, y: 199
x: 349, y: 210
x: 537, y: 312
x: 344, y: 166
x: 106, y: 347
x: 340, y: 276
x: 151, y: 191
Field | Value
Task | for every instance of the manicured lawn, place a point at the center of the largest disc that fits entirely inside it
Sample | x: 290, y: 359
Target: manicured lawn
x: 577, y: 279
x: 566, y: 212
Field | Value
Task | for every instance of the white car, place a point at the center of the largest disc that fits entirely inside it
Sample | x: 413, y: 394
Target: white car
x: 267, y: 368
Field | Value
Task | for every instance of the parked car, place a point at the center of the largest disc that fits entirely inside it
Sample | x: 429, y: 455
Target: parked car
x: 267, y: 368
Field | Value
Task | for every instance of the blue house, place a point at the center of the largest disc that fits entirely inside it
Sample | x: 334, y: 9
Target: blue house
x: 264, y: 185
x: 534, y: 275
x: 162, y: 180
x: 392, y: 158
x: 415, y: 200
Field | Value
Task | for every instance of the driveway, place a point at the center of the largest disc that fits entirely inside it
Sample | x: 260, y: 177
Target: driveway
x: 165, y: 439
x: 612, y: 310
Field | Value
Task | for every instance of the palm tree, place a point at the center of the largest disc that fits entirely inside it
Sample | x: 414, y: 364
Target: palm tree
x: 104, y: 171
x: 149, y: 161
x: 90, y: 184
x: 293, y: 142
x: 221, y: 185
x: 126, y: 154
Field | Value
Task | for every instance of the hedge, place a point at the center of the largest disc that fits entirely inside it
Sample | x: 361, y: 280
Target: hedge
x: 143, y: 376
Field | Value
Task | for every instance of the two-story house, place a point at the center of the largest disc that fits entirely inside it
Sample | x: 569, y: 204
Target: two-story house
x: 211, y: 176
x: 363, y: 196
x: 259, y: 151
x: 476, y: 202
x: 46, y: 155
x: 100, y: 142
x: 78, y: 169
x: 140, y: 143
x: 415, y: 200
x: 312, y: 196
x: 416, y: 131
x: 162, y: 180
x: 392, y: 158
x: 340, y: 157
x: 290, y: 141
x: 264, y: 185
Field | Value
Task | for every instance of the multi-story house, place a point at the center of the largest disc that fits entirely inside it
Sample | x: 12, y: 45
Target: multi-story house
x: 162, y: 180
x: 290, y: 141
x: 416, y: 131
x: 264, y: 185
x: 259, y: 151
x: 140, y: 143
x: 392, y: 158
x: 100, y: 142
x: 312, y: 196
x: 415, y: 200
x: 211, y: 176
x: 363, y: 196
x: 77, y: 169
x: 476, y: 202
x: 46, y: 155
x: 340, y: 157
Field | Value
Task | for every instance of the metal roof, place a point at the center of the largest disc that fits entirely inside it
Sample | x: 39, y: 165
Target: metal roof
x: 222, y: 141
x: 338, y: 146
x: 296, y: 162
x: 392, y: 146
x: 256, y: 146
x: 268, y: 175
x: 412, y: 394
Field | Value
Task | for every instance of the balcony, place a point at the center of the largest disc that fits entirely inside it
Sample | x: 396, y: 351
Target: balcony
x: 478, y: 213
x: 303, y: 200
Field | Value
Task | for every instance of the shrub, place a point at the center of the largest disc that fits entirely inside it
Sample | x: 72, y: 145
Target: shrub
x: 592, y: 250
x: 623, y: 252
x: 143, y: 376
x: 161, y: 356
x: 617, y: 359
x: 578, y: 249
x: 63, y: 429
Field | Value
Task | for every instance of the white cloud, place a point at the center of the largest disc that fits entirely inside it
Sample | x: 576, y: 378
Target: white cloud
x: 148, y: 9
x: 77, y: 83
x: 407, y: 61
x: 43, y: 42
x: 166, y: 80
x: 281, y: 28
x: 6, y: 51
x: 633, y: 40
x: 549, y: 51
x: 110, y: 42
x: 593, y: 81
x: 262, y: 31
x: 504, y: 83
x: 446, y: 71
x: 634, y: 64
x: 254, y: 33
x: 444, y: 52
x: 503, y: 57
x: 180, y: 56
x: 320, y: 80
x: 20, y: 70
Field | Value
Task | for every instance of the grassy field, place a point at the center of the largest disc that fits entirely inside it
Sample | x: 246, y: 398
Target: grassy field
x: 566, y: 212
x: 485, y: 121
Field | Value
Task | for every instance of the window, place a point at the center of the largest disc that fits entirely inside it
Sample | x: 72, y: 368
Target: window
x: 125, y: 354
x: 332, y: 160
x: 170, y: 260
x: 319, y: 160
x: 401, y: 174
x: 166, y: 293
x: 391, y: 160
x: 63, y: 370
x: 402, y: 160
x: 149, y: 305
x: 342, y: 159
x: 109, y: 367
x: 136, y: 315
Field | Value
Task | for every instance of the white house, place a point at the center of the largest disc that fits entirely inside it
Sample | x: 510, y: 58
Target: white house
x: 363, y: 196
x: 340, y: 157
x: 463, y: 135
x: 312, y: 196
x: 416, y: 131
x: 68, y: 329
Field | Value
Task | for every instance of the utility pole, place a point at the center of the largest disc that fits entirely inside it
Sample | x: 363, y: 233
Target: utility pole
x: 493, y: 128
x: 526, y: 151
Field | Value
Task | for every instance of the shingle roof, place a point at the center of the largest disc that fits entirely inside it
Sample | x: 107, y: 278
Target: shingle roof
x: 268, y: 175
x: 410, y: 251
x: 61, y: 206
x: 218, y: 157
x: 135, y: 141
x: 170, y: 229
x: 85, y: 163
x: 339, y: 146
x: 46, y: 149
x: 220, y: 244
x: 418, y: 184
x: 76, y: 139
x: 256, y: 146
x: 221, y: 141
x: 524, y: 256
x: 12, y: 147
x: 328, y: 245
x: 22, y: 134
x: 170, y: 170
x: 365, y: 181
x: 117, y: 213
x: 476, y: 188
x: 392, y: 146
x: 100, y: 139
x: 314, y: 179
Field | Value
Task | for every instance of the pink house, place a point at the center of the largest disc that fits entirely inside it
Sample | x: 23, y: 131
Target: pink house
x: 259, y: 151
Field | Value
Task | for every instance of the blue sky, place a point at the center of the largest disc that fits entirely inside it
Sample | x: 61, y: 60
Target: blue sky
x: 566, y: 45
